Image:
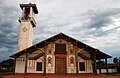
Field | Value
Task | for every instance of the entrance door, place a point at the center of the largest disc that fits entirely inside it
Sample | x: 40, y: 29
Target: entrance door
x: 60, y: 65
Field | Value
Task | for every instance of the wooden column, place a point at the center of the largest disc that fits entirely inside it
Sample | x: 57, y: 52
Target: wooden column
x: 44, y: 61
x: 99, y: 67
x: 92, y: 58
x: 26, y: 61
x: 76, y: 64
x: 76, y: 59
x: 95, y: 65
x: 14, y: 66
x: 106, y: 66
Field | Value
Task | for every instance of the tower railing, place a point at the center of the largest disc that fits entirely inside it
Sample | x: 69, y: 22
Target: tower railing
x: 31, y: 19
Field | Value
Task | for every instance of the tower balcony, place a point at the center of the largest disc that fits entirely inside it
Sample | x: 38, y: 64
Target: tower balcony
x: 31, y: 19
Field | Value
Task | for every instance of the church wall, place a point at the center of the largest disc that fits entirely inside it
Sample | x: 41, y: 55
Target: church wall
x: 50, y: 65
x: 50, y: 58
x: 71, y: 67
x: 88, y: 65
x: 32, y: 65
x: 20, y: 64
x: 31, y: 68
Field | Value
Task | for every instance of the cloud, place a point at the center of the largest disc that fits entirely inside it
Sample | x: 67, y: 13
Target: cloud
x: 92, y: 22
x: 101, y: 30
x: 95, y: 27
x: 96, y: 20
x: 8, y: 28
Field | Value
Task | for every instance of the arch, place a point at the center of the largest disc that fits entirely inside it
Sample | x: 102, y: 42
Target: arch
x: 41, y: 50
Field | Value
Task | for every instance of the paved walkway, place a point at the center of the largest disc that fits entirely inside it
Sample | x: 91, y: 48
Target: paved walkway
x: 60, y: 76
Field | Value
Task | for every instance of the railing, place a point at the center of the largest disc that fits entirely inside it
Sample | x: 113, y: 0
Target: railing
x: 27, y: 19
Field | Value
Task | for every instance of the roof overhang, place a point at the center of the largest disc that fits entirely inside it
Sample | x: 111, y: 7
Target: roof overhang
x: 30, y: 5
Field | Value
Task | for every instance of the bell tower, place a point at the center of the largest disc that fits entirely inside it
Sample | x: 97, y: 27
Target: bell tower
x: 27, y: 23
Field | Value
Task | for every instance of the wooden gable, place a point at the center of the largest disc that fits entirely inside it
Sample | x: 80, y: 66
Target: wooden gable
x: 91, y: 50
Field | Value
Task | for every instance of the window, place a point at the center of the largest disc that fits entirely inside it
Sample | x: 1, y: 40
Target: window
x: 39, y: 66
x: 71, y: 60
x: 81, y: 66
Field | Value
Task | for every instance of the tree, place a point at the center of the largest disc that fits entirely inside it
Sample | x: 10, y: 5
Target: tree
x: 115, y: 60
x: 119, y: 59
x: 8, y: 65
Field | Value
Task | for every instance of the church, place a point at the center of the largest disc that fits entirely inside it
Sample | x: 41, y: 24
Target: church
x: 59, y: 54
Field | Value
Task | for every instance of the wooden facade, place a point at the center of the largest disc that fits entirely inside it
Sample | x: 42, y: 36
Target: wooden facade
x: 59, y: 54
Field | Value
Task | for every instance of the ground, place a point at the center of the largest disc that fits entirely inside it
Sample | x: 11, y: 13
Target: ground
x: 60, y: 76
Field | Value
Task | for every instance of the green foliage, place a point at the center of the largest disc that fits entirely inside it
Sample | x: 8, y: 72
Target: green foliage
x: 115, y: 60
x: 7, y: 65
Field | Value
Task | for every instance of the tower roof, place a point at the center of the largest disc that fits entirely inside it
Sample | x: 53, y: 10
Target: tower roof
x: 30, y: 5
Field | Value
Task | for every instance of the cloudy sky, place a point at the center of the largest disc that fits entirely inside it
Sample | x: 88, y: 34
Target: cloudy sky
x: 94, y: 22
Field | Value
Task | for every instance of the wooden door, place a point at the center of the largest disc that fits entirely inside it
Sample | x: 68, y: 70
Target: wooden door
x: 60, y: 66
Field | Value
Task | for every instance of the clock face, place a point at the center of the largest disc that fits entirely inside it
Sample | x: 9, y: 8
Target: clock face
x: 24, y: 29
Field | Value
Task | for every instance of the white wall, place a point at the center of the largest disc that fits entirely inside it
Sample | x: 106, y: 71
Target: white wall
x: 31, y: 68
x: 50, y: 68
x: 71, y: 69
x: 20, y: 65
x: 88, y: 65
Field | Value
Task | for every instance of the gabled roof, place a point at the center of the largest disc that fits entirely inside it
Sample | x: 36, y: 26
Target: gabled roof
x: 91, y: 50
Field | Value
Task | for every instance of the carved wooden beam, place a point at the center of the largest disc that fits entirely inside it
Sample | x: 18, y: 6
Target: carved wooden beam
x: 82, y: 49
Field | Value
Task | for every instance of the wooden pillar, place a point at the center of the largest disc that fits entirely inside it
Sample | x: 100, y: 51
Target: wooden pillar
x: 95, y: 65
x: 106, y: 66
x: 44, y: 61
x: 76, y: 59
x: 99, y: 67
x: 26, y: 62
x: 14, y: 66
x: 76, y: 64
x: 92, y: 58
